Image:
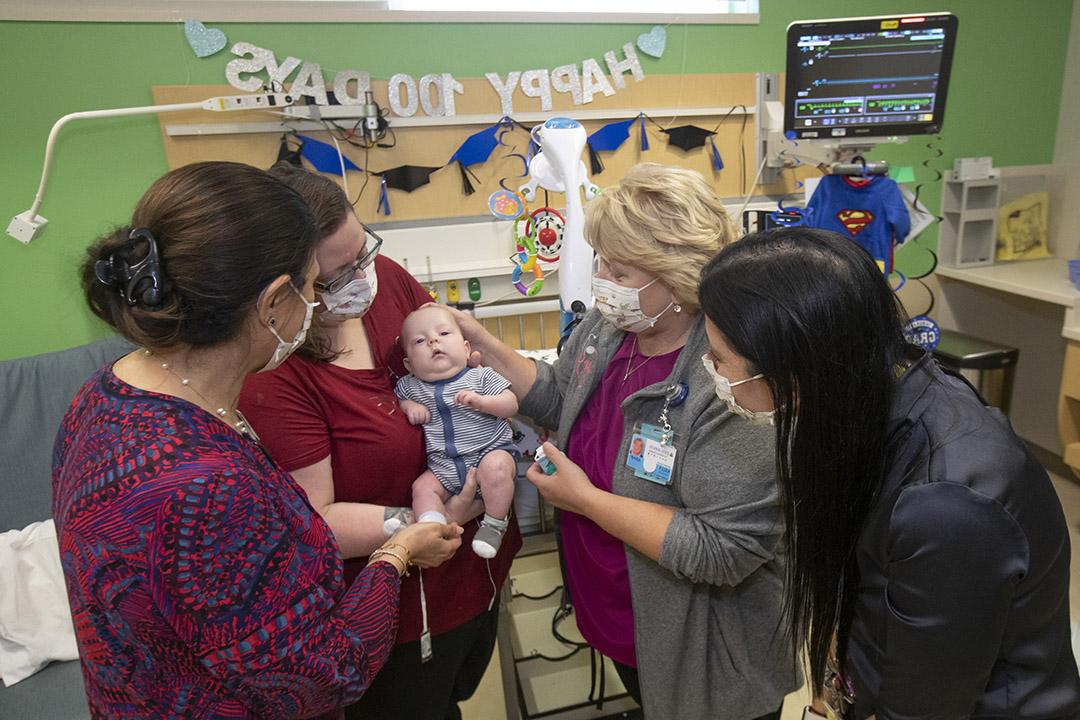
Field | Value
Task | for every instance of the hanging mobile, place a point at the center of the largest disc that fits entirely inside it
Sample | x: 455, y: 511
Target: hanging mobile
x: 547, y: 226
x: 509, y: 205
x: 525, y: 261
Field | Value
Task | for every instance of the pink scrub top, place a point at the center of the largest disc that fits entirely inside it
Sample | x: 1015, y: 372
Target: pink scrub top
x: 596, y: 561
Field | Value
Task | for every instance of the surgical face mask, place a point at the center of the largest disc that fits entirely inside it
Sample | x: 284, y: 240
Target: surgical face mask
x: 285, y: 349
x: 621, y: 306
x: 355, y: 297
x: 726, y: 395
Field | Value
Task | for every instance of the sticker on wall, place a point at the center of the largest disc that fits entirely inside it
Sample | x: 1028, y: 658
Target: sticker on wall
x: 204, y: 41
x: 652, y: 43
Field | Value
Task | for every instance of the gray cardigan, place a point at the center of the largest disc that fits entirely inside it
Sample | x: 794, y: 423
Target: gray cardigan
x: 708, y: 629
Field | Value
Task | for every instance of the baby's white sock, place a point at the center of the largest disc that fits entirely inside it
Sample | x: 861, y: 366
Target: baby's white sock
x: 432, y: 516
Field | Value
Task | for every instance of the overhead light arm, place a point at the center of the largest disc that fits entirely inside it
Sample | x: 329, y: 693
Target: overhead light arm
x: 25, y: 226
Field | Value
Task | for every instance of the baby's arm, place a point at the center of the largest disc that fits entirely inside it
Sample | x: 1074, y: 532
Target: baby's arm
x: 503, y: 405
x: 406, y: 389
x: 415, y: 412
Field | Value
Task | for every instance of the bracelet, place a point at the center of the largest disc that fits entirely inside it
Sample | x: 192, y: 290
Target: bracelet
x: 404, y: 549
x: 383, y: 551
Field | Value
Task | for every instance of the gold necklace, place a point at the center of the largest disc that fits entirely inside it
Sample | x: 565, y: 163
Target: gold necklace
x: 630, y: 359
x: 241, y: 425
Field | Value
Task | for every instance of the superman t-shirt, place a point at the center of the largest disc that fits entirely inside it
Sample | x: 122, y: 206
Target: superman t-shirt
x: 870, y: 212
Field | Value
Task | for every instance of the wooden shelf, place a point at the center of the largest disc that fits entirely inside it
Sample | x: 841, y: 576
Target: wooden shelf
x: 1069, y: 408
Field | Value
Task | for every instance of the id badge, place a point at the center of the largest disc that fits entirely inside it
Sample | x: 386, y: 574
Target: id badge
x: 425, y: 646
x: 651, y: 456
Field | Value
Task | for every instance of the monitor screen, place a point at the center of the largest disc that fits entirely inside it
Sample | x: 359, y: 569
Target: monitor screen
x: 868, y: 77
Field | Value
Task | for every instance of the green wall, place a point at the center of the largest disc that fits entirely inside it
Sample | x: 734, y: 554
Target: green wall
x: 1003, y: 102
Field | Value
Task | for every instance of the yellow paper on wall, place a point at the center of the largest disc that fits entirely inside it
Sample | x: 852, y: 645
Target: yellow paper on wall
x: 1021, y: 228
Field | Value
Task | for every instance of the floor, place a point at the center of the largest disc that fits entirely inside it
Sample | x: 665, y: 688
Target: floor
x: 487, y: 703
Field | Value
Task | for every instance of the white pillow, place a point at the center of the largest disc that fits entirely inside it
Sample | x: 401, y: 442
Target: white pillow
x: 35, y: 619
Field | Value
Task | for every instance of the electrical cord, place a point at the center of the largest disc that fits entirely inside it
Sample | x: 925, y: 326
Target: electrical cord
x: 545, y: 596
x: 750, y: 192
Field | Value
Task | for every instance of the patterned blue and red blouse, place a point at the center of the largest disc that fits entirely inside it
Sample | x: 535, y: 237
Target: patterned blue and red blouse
x: 202, y: 583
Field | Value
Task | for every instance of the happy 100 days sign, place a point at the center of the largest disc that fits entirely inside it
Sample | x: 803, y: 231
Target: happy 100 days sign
x: 435, y: 93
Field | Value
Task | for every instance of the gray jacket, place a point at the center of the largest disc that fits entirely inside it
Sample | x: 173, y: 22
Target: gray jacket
x: 707, y: 618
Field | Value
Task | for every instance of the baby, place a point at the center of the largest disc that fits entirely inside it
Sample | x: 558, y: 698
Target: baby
x: 463, y: 411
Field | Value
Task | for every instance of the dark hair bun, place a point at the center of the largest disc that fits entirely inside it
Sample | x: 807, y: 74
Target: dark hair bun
x: 205, y: 240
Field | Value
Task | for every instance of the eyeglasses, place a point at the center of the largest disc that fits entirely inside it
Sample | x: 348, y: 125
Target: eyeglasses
x: 347, y: 275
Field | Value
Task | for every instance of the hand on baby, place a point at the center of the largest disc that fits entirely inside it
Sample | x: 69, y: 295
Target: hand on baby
x: 465, y: 506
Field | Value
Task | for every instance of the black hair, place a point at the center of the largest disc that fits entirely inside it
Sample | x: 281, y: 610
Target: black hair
x: 811, y: 310
x: 222, y: 232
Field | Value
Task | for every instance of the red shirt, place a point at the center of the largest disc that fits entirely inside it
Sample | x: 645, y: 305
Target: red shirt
x: 306, y: 410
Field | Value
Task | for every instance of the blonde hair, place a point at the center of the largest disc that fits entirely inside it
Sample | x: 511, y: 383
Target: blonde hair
x: 664, y: 220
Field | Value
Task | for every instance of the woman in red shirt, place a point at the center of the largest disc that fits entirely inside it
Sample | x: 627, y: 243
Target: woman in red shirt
x: 329, y: 416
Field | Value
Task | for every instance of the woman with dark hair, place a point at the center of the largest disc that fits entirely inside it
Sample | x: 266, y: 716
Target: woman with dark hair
x: 929, y: 555
x: 330, y: 418
x: 201, y: 582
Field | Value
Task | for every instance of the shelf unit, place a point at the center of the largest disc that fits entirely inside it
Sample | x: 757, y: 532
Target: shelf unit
x: 968, y: 234
x: 533, y: 685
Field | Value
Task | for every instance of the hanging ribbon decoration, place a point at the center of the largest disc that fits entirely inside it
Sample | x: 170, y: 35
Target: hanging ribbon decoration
x: 714, y: 155
x: 384, y: 198
x: 932, y: 146
x: 644, y: 136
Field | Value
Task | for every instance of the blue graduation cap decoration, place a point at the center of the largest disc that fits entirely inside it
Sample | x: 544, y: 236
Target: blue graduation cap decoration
x: 323, y: 157
x: 611, y: 137
x: 476, y: 149
x: 608, y: 138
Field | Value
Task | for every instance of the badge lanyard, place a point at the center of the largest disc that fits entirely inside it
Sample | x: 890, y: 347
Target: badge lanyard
x: 652, y: 448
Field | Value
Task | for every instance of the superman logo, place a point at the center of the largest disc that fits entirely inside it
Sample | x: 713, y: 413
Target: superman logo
x: 855, y: 221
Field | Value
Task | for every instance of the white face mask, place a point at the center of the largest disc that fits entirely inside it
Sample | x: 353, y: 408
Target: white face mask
x: 726, y: 395
x: 285, y: 349
x: 355, y: 297
x: 621, y: 306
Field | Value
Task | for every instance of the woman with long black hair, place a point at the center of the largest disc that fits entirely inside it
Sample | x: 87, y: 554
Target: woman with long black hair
x: 929, y: 555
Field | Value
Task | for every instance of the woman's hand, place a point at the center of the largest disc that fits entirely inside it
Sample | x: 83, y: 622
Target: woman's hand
x: 569, y: 488
x: 465, y: 506
x: 474, y: 332
x: 429, y: 544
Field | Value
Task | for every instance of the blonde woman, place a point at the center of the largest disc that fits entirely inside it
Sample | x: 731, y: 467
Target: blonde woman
x: 672, y: 539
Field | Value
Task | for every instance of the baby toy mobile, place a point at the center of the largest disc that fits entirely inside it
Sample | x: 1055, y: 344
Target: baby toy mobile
x: 545, y: 235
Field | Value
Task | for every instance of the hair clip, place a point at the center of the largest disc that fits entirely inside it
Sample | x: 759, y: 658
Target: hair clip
x: 131, y: 280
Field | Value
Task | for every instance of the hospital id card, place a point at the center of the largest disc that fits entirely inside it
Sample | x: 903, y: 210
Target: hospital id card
x: 649, y: 456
